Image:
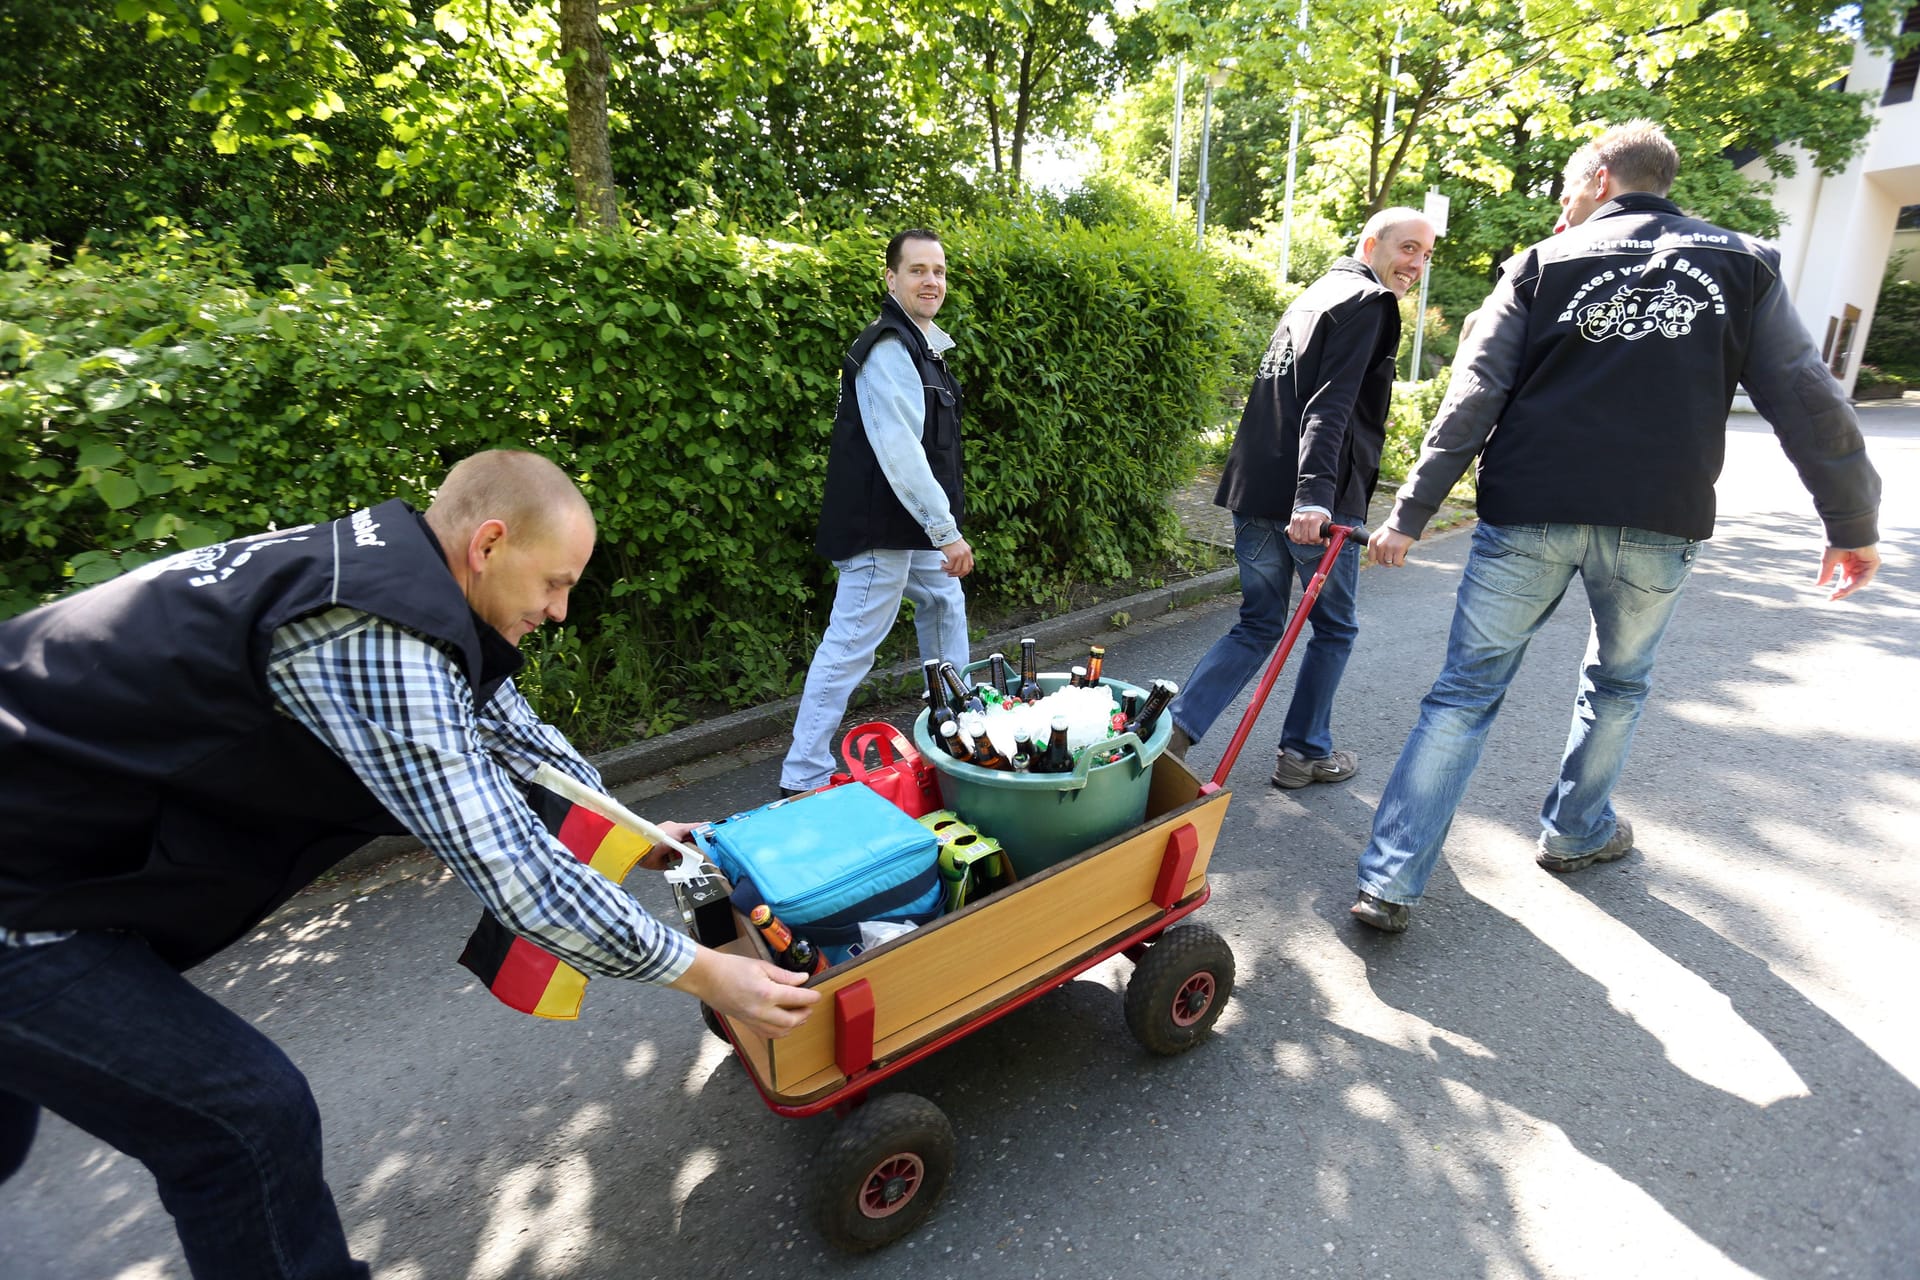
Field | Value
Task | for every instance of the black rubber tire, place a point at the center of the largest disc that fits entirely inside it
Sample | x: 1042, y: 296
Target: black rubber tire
x: 712, y: 1019
x: 1179, y: 989
x: 879, y: 1174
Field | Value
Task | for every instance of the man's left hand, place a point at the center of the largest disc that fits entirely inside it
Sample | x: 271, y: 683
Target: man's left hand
x: 1388, y: 546
x: 1849, y: 569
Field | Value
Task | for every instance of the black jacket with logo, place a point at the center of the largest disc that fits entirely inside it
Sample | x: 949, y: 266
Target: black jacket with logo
x: 860, y: 511
x: 1596, y: 383
x: 1316, y: 418
x: 147, y: 780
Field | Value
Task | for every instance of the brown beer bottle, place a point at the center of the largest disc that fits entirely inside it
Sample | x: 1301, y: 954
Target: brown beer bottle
x: 1096, y: 659
x: 1078, y: 678
x: 1142, y: 724
x: 997, y: 673
x: 938, y: 712
x: 950, y: 739
x: 1029, y: 672
x: 959, y: 697
x: 788, y: 951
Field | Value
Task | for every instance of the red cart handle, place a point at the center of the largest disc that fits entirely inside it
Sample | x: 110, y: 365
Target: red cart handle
x: 1337, y: 535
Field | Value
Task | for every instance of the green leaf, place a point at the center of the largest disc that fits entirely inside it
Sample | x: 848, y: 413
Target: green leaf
x: 117, y: 491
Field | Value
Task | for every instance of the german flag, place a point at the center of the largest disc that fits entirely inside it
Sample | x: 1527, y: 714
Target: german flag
x: 521, y: 974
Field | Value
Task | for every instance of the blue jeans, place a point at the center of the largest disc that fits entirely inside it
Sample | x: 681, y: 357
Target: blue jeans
x: 1515, y: 577
x: 1269, y: 563
x: 865, y: 606
x: 100, y: 1030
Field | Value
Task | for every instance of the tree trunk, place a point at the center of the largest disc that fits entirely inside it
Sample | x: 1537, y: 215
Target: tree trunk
x: 992, y: 81
x: 589, y: 156
x: 1023, y: 105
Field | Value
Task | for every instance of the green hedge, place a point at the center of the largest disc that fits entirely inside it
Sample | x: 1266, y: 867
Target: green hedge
x: 688, y: 379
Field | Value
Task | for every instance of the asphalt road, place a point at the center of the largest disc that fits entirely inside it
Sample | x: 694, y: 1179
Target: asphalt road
x: 1700, y: 1061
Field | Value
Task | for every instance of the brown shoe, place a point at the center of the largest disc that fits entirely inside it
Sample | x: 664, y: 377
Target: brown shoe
x: 1178, y: 743
x: 1294, y: 771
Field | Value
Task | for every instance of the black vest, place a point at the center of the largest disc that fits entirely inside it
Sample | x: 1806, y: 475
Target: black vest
x: 147, y: 783
x: 860, y: 511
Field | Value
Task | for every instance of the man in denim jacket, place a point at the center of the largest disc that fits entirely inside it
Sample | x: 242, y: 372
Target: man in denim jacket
x: 1594, y: 392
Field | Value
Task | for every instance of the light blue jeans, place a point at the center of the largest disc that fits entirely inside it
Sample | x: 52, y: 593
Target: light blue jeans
x: 1269, y: 562
x: 865, y: 606
x: 1515, y: 577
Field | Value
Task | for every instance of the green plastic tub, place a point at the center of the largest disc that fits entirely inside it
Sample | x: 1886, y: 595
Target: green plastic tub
x: 1044, y: 818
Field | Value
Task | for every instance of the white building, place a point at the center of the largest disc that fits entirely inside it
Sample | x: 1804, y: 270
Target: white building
x: 1837, y: 232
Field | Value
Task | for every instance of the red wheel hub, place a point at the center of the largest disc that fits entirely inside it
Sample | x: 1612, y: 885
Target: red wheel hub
x: 892, y: 1185
x: 1191, y: 1002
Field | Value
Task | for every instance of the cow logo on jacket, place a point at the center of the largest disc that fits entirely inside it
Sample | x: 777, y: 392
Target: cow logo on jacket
x: 1634, y: 313
x: 1279, y: 357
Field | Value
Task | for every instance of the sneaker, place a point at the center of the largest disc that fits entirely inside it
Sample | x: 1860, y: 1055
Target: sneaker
x: 1294, y: 770
x: 1178, y: 743
x: 1378, y: 913
x: 1618, y: 846
x: 788, y: 793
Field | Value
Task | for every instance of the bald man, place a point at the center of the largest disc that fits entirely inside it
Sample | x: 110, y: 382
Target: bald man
x: 184, y: 748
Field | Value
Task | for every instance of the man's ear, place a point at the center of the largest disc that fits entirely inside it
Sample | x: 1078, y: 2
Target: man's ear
x: 487, y: 538
x: 1602, y: 185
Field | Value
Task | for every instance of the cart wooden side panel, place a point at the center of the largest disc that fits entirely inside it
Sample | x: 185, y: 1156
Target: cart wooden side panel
x: 952, y: 971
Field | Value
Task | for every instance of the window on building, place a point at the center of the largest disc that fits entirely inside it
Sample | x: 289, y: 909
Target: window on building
x: 1901, y: 80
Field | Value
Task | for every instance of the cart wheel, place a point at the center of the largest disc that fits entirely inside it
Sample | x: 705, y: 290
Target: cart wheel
x: 712, y: 1019
x: 877, y: 1177
x: 1179, y: 988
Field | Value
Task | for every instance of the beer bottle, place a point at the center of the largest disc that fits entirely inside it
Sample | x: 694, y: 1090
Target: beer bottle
x: 950, y: 739
x: 1029, y: 672
x: 1163, y: 691
x: 938, y: 712
x: 788, y: 951
x: 986, y: 756
x: 1096, y: 659
x: 959, y: 697
x: 997, y: 673
x: 1078, y: 678
x: 1057, y: 758
x: 1023, y: 745
x: 1129, y: 705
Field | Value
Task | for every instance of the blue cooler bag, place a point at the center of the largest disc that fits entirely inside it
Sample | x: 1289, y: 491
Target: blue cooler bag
x: 827, y: 861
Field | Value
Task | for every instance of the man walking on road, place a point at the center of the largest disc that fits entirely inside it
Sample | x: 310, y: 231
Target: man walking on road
x: 1595, y: 390
x: 186, y: 747
x: 1307, y: 452
x: 890, y: 518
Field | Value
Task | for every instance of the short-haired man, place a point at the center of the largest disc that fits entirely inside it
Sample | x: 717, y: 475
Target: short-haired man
x: 184, y: 748
x: 890, y: 518
x: 1308, y: 451
x: 1594, y: 390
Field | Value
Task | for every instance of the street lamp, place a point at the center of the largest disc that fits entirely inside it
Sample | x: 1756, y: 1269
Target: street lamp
x: 1179, y: 100
x: 1215, y: 79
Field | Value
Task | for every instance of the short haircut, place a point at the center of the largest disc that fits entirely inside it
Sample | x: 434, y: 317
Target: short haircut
x: 1388, y: 220
x: 1636, y: 155
x: 911, y: 233
x: 526, y: 492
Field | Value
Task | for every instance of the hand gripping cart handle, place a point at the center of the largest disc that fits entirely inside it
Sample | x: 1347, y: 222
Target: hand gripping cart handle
x: 1337, y: 536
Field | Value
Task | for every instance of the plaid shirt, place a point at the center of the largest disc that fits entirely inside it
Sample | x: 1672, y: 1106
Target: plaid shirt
x: 397, y: 711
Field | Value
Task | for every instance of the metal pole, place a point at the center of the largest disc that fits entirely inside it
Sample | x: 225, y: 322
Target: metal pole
x: 1179, y: 100
x: 1200, y: 194
x: 1393, y: 80
x: 1419, y: 327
